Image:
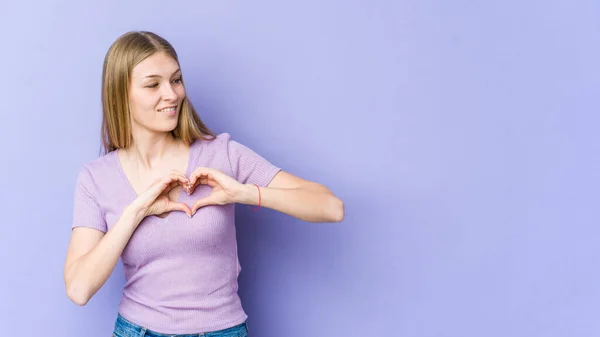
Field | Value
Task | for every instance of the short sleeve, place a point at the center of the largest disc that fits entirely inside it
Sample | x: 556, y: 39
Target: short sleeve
x: 86, y: 211
x: 249, y: 167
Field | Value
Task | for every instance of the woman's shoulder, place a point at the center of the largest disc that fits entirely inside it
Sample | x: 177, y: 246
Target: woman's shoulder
x: 99, y: 167
x: 103, y: 162
x: 218, y: 142
x: 220, y: 138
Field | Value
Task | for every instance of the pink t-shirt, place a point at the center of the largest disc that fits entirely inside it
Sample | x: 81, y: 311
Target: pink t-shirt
x: 181, y: 273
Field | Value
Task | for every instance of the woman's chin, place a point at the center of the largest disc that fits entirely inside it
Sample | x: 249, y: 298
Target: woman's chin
x: 166, y: 127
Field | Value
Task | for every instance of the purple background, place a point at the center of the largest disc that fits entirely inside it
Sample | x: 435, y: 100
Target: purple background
x: 462, y: 136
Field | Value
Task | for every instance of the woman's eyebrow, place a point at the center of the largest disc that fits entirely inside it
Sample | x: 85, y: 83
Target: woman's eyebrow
x: 160, y: 76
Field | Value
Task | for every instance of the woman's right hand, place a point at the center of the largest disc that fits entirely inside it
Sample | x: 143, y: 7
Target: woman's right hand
x: 155, y: 200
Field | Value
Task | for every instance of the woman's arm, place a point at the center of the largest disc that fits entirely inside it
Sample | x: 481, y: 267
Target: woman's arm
x: 286, y: 193
x: 303, y: 199
x: 93, y: 255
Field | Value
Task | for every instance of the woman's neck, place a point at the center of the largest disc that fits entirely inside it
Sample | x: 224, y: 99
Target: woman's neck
x: 149, y: 149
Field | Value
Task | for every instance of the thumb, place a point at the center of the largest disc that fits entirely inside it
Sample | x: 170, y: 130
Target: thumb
x: 208, y: 200
x: 179, y: 206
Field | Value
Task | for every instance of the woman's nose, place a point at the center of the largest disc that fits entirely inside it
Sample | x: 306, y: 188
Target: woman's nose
x: 168, y: 93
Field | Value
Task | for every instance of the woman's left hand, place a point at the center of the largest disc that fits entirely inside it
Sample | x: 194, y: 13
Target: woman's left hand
x: 225, y: 190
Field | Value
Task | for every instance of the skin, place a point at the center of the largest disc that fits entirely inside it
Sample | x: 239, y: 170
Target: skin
x: 155, y: 164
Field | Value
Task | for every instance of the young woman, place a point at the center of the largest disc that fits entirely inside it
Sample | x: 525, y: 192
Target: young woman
x: 162, y: 198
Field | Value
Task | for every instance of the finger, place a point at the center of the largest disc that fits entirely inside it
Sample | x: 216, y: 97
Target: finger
x: 204, y: 181
x: 180, y: 177
x: 166, y: 184
x: 204, y: 172
x: 211, y: 177
x: 172, y: 185
x: 195, y: 179
x: 159, y: 186
x: 179, y: 206
x: 201, y: 180
x: 211, y: 183
x: 183, y: 180
x: 165, y: 191
x: 175, y: 179
x: 201, y: 203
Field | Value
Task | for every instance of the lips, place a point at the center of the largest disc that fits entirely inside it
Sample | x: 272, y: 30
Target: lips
x: 168, y: 109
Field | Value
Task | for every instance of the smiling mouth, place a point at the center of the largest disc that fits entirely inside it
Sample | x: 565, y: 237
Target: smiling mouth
x: 169, y: 109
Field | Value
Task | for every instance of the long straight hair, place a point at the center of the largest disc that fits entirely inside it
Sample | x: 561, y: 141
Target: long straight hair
x: 123, y: 55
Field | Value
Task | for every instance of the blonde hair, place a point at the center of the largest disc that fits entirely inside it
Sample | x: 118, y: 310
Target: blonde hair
x: 123, y: 55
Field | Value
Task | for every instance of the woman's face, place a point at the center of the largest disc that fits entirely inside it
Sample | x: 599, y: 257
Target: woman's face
x: 156, y: 93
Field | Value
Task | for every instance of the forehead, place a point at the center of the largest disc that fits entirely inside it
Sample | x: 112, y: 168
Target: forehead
x: 160, y: 64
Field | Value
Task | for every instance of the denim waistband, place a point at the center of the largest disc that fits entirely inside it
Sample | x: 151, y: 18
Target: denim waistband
x: 125, y: 328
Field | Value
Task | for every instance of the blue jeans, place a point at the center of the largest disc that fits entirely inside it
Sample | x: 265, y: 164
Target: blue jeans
x: 125, y: 328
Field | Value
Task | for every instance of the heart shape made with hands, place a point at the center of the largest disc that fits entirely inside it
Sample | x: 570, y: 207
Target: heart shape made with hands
x: 225, y: 189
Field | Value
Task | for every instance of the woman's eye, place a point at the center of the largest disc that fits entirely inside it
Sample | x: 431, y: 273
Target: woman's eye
x: 154, y: 85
